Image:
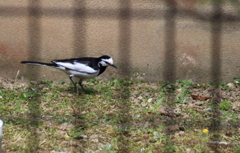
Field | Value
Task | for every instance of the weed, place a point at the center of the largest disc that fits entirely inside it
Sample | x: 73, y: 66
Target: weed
x: 224, y: 105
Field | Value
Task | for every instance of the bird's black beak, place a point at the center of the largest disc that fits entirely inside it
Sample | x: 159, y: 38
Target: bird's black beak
x: 113, y: 65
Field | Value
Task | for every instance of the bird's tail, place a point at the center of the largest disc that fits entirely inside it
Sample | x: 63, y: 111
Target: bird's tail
x: 40, y: 63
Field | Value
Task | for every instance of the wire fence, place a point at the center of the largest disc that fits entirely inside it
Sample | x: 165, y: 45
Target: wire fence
x: 125, y: 14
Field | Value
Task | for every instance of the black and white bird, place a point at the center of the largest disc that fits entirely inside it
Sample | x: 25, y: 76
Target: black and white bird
x: 82, y: 68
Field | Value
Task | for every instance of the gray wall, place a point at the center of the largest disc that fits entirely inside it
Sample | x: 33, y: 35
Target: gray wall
x: 158, y: 40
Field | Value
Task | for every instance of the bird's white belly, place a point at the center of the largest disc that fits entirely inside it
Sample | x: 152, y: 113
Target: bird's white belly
x: 81, y: 75
x: 85, y: 75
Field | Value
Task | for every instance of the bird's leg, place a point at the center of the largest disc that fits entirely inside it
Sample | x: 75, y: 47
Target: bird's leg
x: 80, y: 83
x: 75, y: 86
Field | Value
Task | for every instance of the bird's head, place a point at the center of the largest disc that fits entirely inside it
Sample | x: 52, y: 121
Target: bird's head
x: 106, y: 61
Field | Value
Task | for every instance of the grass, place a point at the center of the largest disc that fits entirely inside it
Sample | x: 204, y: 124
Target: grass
x: 120, y: 116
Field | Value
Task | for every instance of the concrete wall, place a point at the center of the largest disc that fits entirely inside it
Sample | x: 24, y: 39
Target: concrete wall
x: 159, y: 40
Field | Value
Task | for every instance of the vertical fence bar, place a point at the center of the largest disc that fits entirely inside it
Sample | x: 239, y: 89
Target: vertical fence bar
x: 34, y: 35
x: 170, y: 66
x: 125, y: 34
x: 79, y: 16
x: 170, y: 44
x: 124, y: 17
x: 34, y: 52
x: 216, y: 33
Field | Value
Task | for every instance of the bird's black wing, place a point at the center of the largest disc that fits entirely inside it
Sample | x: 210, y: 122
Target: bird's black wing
x: 87, y: 64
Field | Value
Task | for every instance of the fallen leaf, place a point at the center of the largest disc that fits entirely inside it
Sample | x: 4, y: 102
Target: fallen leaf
x: 197, y: 97
x: 65, y: 126
x: 150, y: 100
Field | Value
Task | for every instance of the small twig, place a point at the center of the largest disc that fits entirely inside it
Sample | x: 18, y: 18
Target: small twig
x: 74, y: 111
x: 16, y: 76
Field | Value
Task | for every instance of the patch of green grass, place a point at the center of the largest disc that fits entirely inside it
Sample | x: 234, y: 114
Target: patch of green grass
x: 224, y: 105
x: 118, y: 115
